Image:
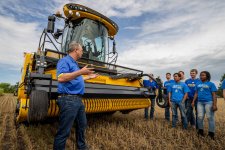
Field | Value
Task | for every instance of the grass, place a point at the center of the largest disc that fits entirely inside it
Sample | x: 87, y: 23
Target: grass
x: 1, y: 92
x: 114, y: 132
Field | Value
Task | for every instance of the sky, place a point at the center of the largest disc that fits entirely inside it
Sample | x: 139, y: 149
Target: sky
x: 154, y: 36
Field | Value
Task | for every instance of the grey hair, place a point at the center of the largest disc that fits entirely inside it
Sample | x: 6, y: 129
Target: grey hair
x: 72, y: 46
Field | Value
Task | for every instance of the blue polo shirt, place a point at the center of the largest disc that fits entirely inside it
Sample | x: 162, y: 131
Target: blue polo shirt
x: 167, y: 84
x: 178, y: 90
x: 205, y: 90
x: 223, y: 84
x: 150, y: 84
x: 75, y: 86
x: 191, y: 83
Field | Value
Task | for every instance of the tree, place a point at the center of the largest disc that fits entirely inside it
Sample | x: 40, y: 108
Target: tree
x: 7, y: 88
x: 220, y: 91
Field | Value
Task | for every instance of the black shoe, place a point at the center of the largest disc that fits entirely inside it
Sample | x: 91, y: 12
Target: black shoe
x: 201, y: 132
x: 211, y: 135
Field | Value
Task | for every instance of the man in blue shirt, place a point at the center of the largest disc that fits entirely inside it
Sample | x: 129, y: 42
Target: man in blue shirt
x: 153, y: 87
x: 177, y: 96
x: 166, y: 86
x: 223, y: 88
x: 191, y: 83
x: 71, y: 89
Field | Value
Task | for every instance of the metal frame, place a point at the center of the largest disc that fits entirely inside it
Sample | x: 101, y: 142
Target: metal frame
x: 93, y: 90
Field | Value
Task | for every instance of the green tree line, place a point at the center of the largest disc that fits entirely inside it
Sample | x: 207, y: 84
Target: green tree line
x: 7, y: 88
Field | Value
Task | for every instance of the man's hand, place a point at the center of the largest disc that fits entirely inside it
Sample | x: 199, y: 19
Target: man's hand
x: 214, y: 108
x: 93, y: 75
x: 86, y: 71
x: 193, y: 104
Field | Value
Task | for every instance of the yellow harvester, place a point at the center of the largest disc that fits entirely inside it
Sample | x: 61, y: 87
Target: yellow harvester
x: 117, y: 88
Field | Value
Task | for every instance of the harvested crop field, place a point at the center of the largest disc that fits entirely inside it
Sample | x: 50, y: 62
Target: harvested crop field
x: 117, y: 131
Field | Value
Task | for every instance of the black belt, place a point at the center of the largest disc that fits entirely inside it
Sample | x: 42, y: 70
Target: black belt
x: 63, y: 95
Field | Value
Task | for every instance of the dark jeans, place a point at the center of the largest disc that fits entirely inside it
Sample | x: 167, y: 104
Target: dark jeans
x: 71, y: 109
x: 196, y: 115
x: 167, y: 113
x: 181, y: 107
x: 151, y: 111
x: 189, y: 112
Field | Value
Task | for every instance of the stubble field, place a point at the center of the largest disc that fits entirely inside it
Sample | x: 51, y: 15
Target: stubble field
x: 118, y: 131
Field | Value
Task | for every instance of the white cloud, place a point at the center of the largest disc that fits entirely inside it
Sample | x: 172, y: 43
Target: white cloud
x: 28, y: 9
x: 175, y: 35
x: 118, y: 8
x: 132, y: 28
x: 16, y: 38
x: 193, y: 38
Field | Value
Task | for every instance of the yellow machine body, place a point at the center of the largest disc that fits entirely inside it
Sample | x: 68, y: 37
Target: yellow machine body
x: 92, y: 104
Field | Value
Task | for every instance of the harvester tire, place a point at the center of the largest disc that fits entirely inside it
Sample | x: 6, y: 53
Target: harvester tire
x: 38, y: 106
x: 162, y: 102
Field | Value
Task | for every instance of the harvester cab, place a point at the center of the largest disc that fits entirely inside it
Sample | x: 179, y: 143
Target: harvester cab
x: 118, y: 88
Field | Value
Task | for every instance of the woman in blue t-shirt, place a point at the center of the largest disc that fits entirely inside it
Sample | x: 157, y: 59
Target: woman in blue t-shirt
x: 207, y: 103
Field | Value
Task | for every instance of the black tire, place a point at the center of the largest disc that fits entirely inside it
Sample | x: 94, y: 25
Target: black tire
x: 38, y: 106
x: 163, y: 101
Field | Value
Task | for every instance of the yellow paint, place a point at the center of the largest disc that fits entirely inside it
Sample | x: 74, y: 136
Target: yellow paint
x: 23, y: 111
x: 101, y: 79
x: 52, y: 72
x: 28, y: 59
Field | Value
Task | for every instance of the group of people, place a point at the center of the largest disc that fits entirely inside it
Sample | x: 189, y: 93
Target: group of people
x: 200, y: 93
x: 186, y: 95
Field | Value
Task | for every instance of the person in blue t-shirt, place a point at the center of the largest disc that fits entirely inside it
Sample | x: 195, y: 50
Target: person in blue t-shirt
x: 71, y: 89
x: 153, y: 87
x: 178, y: 92
x: 166, y: 86
x: 223, y: 87
x: 182, y: 76
x: 207, y: 103
x: 191, y: 83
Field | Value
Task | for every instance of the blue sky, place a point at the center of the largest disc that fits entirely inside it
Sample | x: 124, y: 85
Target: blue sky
x: 154, y: 36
